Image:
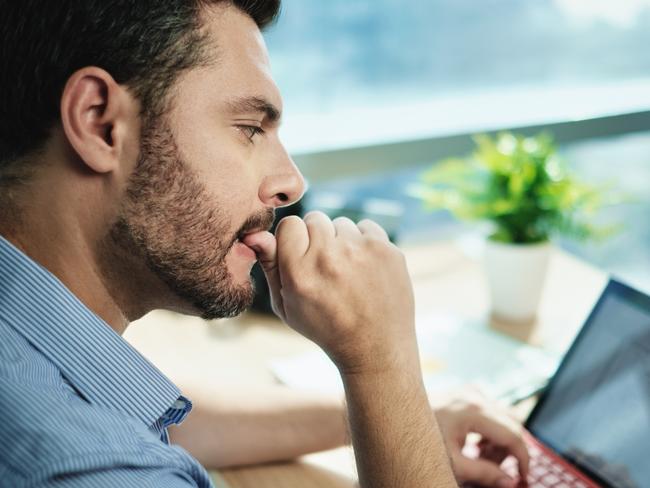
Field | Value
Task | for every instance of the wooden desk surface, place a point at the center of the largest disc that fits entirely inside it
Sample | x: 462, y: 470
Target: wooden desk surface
x: 235, y: 353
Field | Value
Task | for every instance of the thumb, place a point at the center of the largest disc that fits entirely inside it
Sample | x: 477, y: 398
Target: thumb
x: 265, y: 246
x: 485, y: 473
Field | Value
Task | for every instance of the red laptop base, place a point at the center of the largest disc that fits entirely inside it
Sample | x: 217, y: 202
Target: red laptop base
x: 547, y: 469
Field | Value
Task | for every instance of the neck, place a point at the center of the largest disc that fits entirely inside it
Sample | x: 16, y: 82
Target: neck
x: 72, y: 260
x: 71, y: 244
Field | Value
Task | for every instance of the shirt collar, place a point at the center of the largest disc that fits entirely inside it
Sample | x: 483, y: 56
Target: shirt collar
x: 98, y: 362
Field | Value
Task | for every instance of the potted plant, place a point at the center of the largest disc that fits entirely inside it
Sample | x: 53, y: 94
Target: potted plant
x: 522, y: 188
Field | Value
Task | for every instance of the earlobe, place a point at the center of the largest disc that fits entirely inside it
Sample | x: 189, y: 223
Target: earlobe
x: 90, y: 110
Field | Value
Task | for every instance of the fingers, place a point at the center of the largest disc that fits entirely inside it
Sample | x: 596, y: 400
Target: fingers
x: 507, y: 434
x: 293, y: 241
x: 292, y: 237
x: 265, y: 246
x: 483, y: 472
x: 492, y: 452
x: 316, y: 231
x: 320, y: 230
x: 373, y: 229
x: 345, y: 228
x: 501, y: 436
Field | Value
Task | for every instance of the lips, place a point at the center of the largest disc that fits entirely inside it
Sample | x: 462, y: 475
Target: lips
x: 260, y: 224
x: 244, y: 251
x: 241, y: 243
x: 242, y: 235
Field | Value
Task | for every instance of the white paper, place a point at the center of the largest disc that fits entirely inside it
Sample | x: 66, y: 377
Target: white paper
x: 453, y: 354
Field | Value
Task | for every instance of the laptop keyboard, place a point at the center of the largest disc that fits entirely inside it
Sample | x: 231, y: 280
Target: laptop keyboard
x: 544, y: 472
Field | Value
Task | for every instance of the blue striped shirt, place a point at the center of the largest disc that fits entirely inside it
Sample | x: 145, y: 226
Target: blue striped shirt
x: 79, y: 406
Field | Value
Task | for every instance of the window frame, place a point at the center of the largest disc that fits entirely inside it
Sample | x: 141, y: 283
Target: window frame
x: 328, y: 164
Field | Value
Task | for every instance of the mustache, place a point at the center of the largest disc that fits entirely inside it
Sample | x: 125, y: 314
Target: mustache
x: 260, y: 221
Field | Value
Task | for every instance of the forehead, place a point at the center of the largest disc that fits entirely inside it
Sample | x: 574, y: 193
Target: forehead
x: 241, y: 65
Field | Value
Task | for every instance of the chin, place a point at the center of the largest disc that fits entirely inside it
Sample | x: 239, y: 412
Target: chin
x: 242, y: 280
x: 234, y: 299
x: 212, y: 297
x: 239, y: 268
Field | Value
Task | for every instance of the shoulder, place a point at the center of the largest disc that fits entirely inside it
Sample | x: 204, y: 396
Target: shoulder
x: 50, y: 433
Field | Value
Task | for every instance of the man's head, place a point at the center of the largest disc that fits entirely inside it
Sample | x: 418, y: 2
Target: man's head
x: 153, y: 123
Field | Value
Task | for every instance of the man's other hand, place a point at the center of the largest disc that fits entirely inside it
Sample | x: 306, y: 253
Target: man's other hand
x: 459, y: 416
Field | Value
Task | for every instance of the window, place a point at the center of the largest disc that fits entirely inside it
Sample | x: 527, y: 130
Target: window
x: 358, y: 72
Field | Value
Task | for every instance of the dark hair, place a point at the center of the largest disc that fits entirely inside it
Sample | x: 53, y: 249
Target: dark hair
x: 143, y: 44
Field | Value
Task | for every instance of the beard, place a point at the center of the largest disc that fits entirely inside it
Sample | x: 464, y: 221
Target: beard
x: 171, y: 223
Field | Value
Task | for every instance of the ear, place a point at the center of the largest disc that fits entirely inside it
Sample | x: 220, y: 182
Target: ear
x: 99, y: 119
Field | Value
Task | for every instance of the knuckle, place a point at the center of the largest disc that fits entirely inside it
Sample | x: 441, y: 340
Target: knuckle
x: 515, y: 427
x: 319, y: 222
x: 342, y: 220
x: 288, y: 221
x: 328, y: 266
x: 349, y: 250
x: 368, y: 222
x: 375, y: 244
x: 518, y: 433
x: 379, y: 247
x: 394, y: 252
x: 314, y: 216
x: 398, y: 253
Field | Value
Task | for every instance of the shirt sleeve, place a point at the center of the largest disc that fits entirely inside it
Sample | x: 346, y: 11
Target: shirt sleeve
x: 124, y: 477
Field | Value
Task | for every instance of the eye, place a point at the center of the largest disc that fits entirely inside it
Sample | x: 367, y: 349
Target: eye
x: 250, y: 131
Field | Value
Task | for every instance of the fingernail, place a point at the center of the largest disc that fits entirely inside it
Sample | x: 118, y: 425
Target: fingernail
x: 506, y: 483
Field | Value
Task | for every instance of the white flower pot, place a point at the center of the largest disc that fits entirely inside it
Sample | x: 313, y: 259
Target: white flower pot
x: 516, y: 275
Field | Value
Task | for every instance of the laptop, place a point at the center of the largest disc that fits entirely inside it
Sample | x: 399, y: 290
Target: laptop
x: 591, y: 425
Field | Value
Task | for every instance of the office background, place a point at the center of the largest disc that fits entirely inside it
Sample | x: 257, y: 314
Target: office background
x: 376, y: 91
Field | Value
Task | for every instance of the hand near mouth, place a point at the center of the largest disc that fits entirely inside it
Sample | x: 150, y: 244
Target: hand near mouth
x: 342, y: 285
x: 265, y: 246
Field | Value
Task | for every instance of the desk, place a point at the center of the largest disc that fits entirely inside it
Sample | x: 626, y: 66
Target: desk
x: 236, y: 352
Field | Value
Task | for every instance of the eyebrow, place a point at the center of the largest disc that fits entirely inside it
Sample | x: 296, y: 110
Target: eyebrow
x: 255, y: 104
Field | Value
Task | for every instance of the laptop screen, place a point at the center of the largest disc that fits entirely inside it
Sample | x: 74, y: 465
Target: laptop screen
x: 596, y: 409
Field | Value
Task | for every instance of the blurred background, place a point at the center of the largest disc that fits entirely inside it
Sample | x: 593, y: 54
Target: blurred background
x: 378, y: 95
x: 377, y: 91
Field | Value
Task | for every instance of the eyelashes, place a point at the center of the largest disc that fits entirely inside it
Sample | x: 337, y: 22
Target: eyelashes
x: 250, y: 131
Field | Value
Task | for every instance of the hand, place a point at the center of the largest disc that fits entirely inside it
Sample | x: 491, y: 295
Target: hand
x: 459, y: 416
x: 344, y: 286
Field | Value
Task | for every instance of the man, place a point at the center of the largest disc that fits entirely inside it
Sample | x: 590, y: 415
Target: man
x: 139, y: 168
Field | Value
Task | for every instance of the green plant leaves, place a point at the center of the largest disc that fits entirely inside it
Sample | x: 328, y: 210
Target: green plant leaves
x: 519, y: 184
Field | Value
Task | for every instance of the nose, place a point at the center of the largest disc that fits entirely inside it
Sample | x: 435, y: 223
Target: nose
x: 285, y: 185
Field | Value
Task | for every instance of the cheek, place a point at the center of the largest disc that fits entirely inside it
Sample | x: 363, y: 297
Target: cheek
x: 225, y: 166
x: 232, y: 180
x: 235, y: 194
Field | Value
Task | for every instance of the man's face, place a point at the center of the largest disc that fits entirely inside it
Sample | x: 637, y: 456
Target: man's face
x: 210, y: 171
